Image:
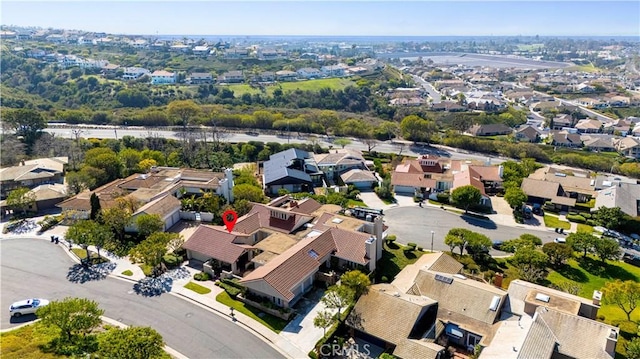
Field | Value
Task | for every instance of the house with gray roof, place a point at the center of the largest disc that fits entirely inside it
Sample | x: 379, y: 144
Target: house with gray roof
x: 32, y: 173
x: 623, y: 195
x: 293, y: 170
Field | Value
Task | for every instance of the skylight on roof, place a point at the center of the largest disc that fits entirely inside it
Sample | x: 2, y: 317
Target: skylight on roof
x: 494, y: 303
x: 543, y: 297
x: 444, y: 279
x: 336, y: 220
x: 313, y: 254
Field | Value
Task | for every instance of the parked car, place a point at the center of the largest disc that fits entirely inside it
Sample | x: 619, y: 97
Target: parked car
x: 537, y: 209
x: 496, y: 245
x: 560, y: 240
x: 27, y: 306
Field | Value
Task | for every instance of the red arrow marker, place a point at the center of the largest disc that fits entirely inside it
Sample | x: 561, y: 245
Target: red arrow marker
x: 229, y: 218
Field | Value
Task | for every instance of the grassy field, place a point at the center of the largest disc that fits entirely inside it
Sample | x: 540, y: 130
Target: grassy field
x: 554, y: 222
x: 584, y: 68
x: 25, y: 342
x: 309, y: 85
x: 274, y: 323
x: 394, y: 259
x: 197, y: 288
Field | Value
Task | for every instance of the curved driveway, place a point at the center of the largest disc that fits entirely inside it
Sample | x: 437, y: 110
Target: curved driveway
x: 37, y: 268
x: 414, y: 224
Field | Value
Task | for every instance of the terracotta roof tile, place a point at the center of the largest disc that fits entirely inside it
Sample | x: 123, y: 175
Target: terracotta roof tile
x: 215, y: 242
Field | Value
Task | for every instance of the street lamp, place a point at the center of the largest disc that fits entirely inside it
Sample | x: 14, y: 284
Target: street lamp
x: 432, y: 233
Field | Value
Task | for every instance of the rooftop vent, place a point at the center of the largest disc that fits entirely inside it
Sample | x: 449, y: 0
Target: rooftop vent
x: 543, y: 297
x: 444, y: 279
x: 460, y: 276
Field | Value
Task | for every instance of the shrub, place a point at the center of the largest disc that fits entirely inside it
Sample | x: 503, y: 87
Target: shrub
x: 390, y: 238
x: 202, y: 276
x: 586, y: 215
x: 467, y: 261
x: 420, y: 249
x: 49, y: 222
x: 230, y: 289
x: 411, y: 246
x: 384, y: 279
x: 443, y: 197
x: 601, y: 317
x: 171, y: 260
x: 592, y: 222
x: 576, y: 218
x: 416, y: 199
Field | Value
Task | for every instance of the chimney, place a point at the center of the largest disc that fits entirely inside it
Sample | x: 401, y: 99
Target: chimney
x: 497, y: 281
x: 597, y: 297
x: 378, y: 232
x: 612, y: 340
x: 370, y: 250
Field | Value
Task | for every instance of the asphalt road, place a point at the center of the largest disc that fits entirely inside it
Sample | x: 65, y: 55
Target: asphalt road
x: 414, y: 224
x: 405, y: 147
x: 37, y: 268
x: 433, y: 93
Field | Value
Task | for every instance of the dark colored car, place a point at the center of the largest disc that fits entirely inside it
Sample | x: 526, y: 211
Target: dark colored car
x: 497, y: 245
x: 537, y: 209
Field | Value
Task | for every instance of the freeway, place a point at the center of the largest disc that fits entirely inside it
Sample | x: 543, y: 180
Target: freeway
x: 37, y: 268
x: 404, y: 147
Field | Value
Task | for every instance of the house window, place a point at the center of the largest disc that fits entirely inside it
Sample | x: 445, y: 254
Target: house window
x: 473, y: 340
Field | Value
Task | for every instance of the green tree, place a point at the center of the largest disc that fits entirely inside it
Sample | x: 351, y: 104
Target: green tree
x: 73, y: 316
x: 26, y: 123
x: 116, y: 218
x: 457, y: 237
x: 633, y: 348
x: 530, y: 263
x: 610, y: 218
x: 130, y: 158
x: 581, y: 242
x: 625, y: 295
x: 95, y: 206
x: 384, y: 190
x: 81, y: 233
x: 131, y: 343
x: 248, y: 192
x: 323, y: 320
x: 558, y: 253
x: 338, y: 297
x: 356, y: 281
x: 477, y: 244
x: 606, y: 248
x: 342, y: 142
x: 515, y: 196
x: 242, y: 207
x: 417, y: 129
x: 21, y: 199
x: 184, y: 110
x: 466, y: 196
x: 148, y: 224
x: 151, y: 250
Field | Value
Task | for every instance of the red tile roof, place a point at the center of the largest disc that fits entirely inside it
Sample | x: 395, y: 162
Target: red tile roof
x: 412, y: 180
x: 215, y: 242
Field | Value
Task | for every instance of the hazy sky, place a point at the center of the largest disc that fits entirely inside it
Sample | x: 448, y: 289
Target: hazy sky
x: 382, y: 18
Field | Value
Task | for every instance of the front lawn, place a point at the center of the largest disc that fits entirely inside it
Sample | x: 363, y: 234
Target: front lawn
x: 274, y: 323
x: 393, y: 260
x: 555, y: 222
x: 197, y: 288
x: 95, y: 258
x: 25, y: 342
x: 355, y: 203
x: 585, y: 228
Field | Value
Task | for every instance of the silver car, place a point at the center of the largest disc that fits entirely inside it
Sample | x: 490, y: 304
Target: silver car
x: 28, y: 306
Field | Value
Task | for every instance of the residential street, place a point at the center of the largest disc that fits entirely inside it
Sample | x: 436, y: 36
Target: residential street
x: 37, y: 268
x: 414, y: 224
